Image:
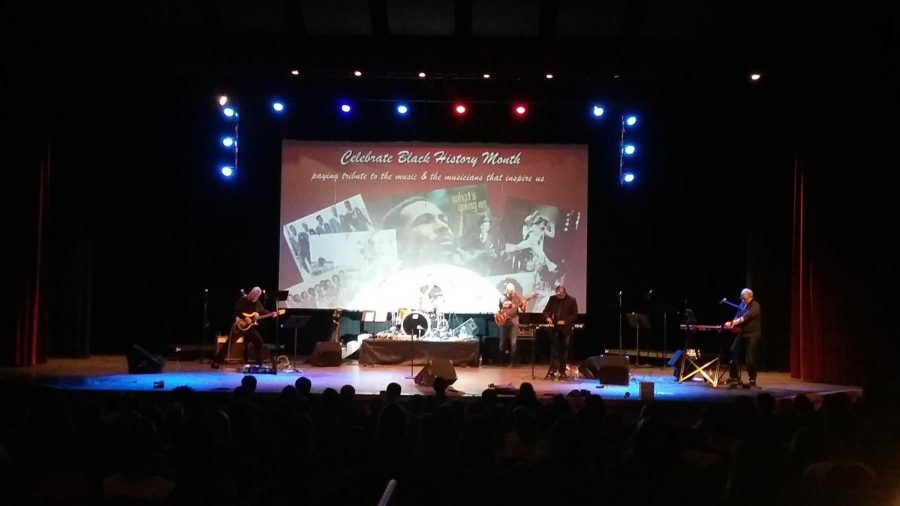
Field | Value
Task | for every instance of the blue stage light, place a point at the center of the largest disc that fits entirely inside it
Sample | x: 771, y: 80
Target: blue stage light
x: 631, y: 120
x: 345, y: 108
x: 227, y: 170
x: 598, y: 111
x: 402, y: 109
x: 278, y: 106
x: 228, y: 141
x: 628, y: 177
x: 629, y: 149
x: 229, y: 112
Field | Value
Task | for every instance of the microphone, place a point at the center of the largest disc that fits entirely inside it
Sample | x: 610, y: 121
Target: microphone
x: 724, y: 300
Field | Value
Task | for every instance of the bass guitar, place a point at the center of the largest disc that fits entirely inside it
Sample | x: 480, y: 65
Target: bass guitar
x: 503, y: 316
x: 250, y: 319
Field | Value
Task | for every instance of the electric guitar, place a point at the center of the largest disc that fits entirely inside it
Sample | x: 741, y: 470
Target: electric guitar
x: 336, y: 320
x: 250, y: 319
x: 502, y: 316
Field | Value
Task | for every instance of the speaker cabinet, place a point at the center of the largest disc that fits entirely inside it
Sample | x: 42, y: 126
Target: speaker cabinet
x: 326, y: 354
x: 609, y: 369
x: 141, y: 361
x: 437, y: 368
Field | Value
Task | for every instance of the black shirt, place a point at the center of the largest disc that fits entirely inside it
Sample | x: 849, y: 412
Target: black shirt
x: 752, y: 315
x: 245, y: 305
x: 565, y: 309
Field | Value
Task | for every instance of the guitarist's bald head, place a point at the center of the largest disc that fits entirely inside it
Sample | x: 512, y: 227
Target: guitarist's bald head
x: 254, y: 294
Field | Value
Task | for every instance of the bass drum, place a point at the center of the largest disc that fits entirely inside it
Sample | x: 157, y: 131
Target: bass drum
x: 416, y: 323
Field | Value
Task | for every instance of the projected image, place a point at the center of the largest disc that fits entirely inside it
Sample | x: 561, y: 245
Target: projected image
x: 301, y: 235
x: 430, y: 228
x: 438, y: 227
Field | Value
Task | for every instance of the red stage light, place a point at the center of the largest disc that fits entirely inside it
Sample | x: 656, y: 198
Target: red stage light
x: 520, y: 110
x: 459, y: 109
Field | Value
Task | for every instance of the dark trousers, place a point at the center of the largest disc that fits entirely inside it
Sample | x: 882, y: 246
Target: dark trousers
x: 560, y: 337
x: 508, y: 334
x: 251, y: 336
x: 745, y: 351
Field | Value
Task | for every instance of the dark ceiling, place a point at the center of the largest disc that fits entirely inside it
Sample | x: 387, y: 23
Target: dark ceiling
x: 641, y: 41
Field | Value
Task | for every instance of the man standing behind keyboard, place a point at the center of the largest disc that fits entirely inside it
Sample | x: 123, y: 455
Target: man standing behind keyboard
x: 560, y: 312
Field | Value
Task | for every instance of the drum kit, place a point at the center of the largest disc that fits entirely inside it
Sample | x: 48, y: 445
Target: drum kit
x: 424, y: 323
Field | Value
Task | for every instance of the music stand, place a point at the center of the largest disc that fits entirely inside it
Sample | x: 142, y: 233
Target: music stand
x: 364, y: 317
x: 296, y: 322
x: 638, y: 321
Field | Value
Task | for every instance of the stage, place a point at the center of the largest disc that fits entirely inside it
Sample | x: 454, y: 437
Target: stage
x: 109, y: 373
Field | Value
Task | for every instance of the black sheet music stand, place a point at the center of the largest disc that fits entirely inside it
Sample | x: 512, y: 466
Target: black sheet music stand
x: 296, y: 322
x: 638, y: 321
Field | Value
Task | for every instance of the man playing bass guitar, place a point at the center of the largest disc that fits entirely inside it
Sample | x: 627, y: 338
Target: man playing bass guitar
x: 511, y: 304
x: 247, y: 310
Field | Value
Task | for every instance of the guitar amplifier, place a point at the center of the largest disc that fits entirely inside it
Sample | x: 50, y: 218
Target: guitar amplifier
x: 236, y: 352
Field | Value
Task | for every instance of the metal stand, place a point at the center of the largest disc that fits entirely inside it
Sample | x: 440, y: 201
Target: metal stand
x: 412, y: 352
x: 205, y: 327
x: 296, y: 322
x: 621, y: 347
x: 637, y: 321
x: 533, y: 341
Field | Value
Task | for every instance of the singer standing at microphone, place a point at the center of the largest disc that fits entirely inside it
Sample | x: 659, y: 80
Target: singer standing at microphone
x: 745, y: 349
x: 560, y: 312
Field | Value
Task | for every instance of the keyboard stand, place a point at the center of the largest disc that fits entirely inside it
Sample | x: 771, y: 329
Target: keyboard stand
x: 710, y: 369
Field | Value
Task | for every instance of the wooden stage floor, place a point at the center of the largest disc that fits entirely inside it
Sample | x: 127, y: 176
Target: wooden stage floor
x: 110, y: 373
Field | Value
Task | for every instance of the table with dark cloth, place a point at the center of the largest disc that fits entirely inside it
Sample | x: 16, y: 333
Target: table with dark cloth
x: 387, y: 351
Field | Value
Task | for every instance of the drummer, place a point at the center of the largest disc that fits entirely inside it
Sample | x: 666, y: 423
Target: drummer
x: 426, y: 303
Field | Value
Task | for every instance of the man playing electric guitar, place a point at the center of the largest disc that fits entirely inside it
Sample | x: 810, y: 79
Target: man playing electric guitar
x: 511, y: 304
x: 247, y: 310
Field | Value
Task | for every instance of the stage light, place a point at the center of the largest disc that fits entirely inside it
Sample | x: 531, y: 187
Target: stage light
x: 549, y: 76
x: 402, y: 109
x: 598, y: 111
x: 486, y: 76
x: 629, y: 149
x: 295, y: 72
x: 228, y: 141
x: 278, y: 106
x: 628, y: 177
x: 520, y: 110
x: 422, y: 74
x: 631, y: 120
x: 357, y: 73
x: 227, y: 170
x: 755, y: 77
x: 345, y: 108
x: 223, y: 100
x: 229, y: 112
x: 459, y: 109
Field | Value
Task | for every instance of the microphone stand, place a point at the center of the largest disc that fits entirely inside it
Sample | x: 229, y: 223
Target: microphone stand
x: 621, y: 348
x: 205, y: 326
